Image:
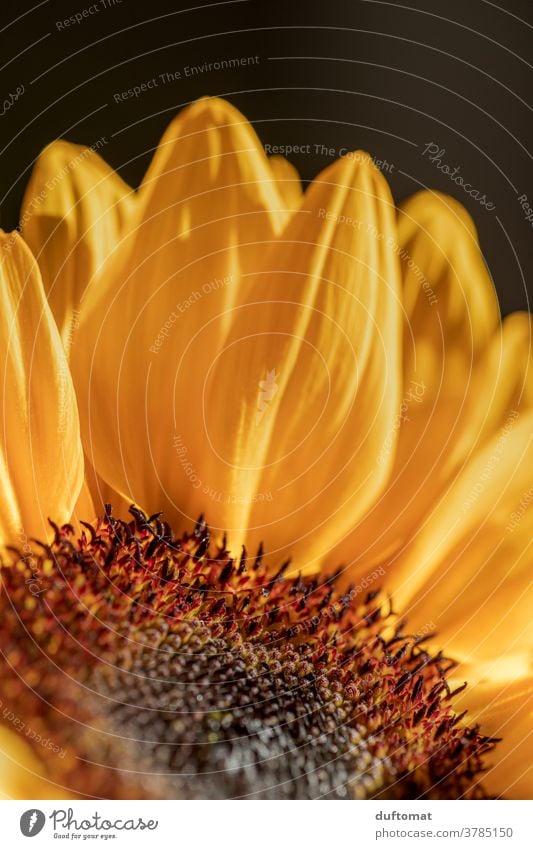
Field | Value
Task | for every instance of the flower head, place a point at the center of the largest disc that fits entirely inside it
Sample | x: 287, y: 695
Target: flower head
x: 216, y: 677
x: 326, y: 378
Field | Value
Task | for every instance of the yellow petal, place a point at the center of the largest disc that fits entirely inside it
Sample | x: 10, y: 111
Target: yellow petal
x: 504, y: 708
x: 97, y: 493
x: 502, y: 381
x: 155, y: 320
x: 300, y: 400
x: 84, y: 509
x: 447, y: 287
x: 22, y: 775
x: 288, y: 181
x: 74, y: 211
x: 469, y: 567
x: 451, y: 315
x: 41, y: 463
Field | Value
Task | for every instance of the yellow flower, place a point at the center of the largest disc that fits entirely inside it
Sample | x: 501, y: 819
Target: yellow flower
x: 320, y: 373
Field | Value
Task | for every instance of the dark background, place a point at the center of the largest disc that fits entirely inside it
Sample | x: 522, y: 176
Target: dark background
x: 383, y: 76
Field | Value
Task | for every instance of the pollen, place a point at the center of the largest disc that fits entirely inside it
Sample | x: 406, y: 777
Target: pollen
x: 168, y: 667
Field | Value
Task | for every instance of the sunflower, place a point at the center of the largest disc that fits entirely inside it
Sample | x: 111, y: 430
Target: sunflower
x: 325, y: 378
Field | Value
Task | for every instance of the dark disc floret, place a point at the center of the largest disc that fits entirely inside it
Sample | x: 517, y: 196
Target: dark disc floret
x: 166, y: 667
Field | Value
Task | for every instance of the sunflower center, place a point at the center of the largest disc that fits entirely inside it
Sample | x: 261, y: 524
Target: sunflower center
x: 167, y: 670
x: 219, y: 723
